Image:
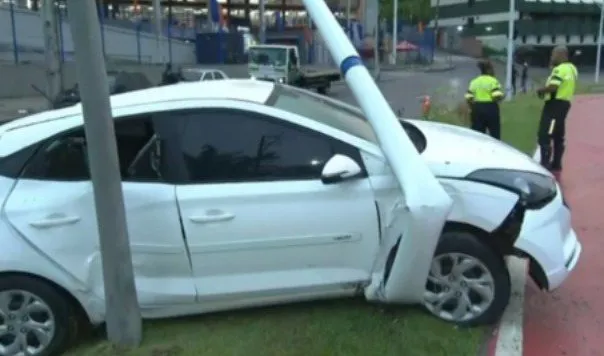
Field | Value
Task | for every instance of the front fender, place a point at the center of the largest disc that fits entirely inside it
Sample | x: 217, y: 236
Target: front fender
x: 481, y: 205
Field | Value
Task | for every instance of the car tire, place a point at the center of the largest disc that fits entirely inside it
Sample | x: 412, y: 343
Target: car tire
x: 50, y: 303
x: 323, y: 90
x: 478, y: 276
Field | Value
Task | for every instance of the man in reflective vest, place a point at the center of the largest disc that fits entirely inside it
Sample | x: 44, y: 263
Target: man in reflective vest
x: 558, y: 92
x: 483, y: 96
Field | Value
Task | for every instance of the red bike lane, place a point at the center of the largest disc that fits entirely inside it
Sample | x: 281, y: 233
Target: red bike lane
x: 570, y: 321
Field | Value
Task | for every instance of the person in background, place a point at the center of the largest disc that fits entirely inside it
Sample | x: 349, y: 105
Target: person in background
x: 558, y: 93
x: 168, y: 76
x: 524, y: 77
x: 483, y: 96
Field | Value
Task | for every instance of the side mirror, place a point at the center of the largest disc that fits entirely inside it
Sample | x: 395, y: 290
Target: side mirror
x: 339, y: 168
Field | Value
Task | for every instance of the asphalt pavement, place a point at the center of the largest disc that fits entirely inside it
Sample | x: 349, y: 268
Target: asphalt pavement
x: 402, y: 89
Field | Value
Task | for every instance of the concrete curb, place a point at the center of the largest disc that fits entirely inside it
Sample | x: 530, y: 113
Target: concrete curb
x: 507, y: 338
x: 439, y: 70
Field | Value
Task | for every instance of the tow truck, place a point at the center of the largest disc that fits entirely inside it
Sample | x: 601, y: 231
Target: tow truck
x: 281, y: 64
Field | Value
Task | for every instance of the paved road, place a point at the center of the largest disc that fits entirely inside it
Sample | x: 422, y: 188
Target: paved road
x: 402, y: 89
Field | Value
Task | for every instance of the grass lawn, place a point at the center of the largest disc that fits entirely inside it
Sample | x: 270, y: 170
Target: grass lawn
x: 520, y: 120
x: 331, y: 328
x: 340, y: 327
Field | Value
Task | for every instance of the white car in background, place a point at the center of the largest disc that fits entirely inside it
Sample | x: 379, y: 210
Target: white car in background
x: 243, y: 193
x: 202, y: 74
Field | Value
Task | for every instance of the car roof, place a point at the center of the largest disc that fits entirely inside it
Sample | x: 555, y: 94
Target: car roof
x: 201, y: 70
x: 228, y: 89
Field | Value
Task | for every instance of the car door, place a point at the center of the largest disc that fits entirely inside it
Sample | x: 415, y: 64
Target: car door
x: 52, y: 207
x: 259, y: 222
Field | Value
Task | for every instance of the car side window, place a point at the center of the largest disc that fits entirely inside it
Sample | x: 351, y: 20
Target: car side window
x: 223, y: 145
x: 218, y: 76
x: 64, y: 157
x: 208, y: 76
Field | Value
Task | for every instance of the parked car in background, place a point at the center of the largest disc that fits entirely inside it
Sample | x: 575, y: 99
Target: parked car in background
x: 118, y: 81
x: 242, y: 193
x: 202, y: 74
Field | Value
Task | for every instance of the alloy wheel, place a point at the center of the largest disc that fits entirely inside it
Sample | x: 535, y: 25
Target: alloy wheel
x: 459, y: 288
x: 27, y: 323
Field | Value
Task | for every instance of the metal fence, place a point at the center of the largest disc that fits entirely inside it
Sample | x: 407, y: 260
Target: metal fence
x: 22, y: 38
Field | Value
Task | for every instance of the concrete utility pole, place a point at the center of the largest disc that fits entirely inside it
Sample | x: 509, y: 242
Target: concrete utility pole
x: 394, y: 31
x: 599, y: 50
x: 51, y: 50
x: 123, y: 317
x: 158, y: 30
x: 261, y: 13
x: 510, y: 59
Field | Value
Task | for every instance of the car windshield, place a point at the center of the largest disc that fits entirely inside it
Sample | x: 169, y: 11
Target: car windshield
x: 268, y: 56
x: 327, y: 111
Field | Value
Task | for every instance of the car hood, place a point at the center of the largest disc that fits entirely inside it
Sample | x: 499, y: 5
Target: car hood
x: 454, y: 151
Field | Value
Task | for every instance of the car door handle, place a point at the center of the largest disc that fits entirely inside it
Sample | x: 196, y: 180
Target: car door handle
x: 212, y: 216
x: 55, y: 221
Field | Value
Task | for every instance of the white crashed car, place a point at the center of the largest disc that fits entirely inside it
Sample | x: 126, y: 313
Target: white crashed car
x: 250, y: 193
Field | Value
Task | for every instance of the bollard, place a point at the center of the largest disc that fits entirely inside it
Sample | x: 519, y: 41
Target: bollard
x: 426, y: 106
x: 14, y: 29
x: 138, y: 42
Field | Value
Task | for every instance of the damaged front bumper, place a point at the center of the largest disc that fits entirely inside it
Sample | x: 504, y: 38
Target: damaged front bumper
x: 549, y: 241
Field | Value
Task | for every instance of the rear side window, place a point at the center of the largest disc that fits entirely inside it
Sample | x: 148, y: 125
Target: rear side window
x: 65, y: 158
x: 12, y: 165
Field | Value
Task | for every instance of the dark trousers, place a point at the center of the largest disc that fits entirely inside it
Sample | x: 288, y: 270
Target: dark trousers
x: 485, y: 118
x: 552, y: 130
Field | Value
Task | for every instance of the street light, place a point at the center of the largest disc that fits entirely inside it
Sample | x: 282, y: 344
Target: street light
x: 599, y: 50
x: 510, y: 57
x: 394, y: 31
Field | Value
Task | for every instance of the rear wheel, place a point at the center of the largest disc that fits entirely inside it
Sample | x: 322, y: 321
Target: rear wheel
x: 469, y: 283
x: 35, y: 319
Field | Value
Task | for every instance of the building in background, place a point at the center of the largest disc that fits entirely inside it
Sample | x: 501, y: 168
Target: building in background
x: 540, y: 25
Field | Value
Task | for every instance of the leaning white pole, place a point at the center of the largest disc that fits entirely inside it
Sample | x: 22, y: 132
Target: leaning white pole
x: 423, y: 198
x: 599, y: 50
x: 510, y: 59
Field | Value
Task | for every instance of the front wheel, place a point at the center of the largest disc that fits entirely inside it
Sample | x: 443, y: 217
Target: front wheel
x: 35, y: 319
x: 469, y: 283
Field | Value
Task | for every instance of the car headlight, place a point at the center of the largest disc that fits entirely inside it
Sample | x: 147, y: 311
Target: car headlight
x: 281, y: 80
x: 535, y: 190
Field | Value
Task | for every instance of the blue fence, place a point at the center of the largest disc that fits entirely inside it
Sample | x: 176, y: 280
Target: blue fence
x: 21, y: 37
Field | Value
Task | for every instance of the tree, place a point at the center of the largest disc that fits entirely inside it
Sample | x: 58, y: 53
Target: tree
x: 409, y: 10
